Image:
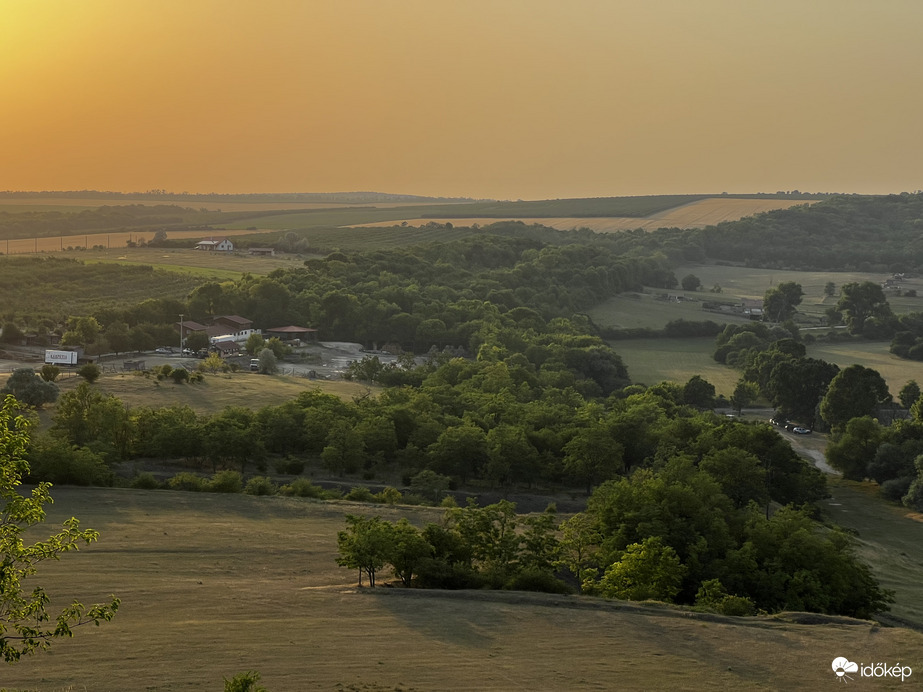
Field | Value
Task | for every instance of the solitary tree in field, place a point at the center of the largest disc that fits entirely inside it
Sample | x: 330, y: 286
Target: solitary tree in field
x: 691, y: 282
x: 26, y: 626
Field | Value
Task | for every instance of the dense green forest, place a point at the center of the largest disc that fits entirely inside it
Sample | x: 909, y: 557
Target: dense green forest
x: 846, y: 232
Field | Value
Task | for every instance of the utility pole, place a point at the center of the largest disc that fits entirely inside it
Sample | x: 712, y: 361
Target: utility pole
x: 181, y: 333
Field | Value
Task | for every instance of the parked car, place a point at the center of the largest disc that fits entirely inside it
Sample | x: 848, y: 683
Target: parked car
x: 188, y: 352
x: 801, y: 431
x: 163, y: 349
x: 254, y: 363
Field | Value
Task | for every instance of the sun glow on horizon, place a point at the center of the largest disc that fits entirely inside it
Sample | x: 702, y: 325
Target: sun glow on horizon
x: 504, y: 99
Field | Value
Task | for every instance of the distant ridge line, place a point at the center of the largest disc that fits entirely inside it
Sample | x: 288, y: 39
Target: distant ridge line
x: 358, y: 197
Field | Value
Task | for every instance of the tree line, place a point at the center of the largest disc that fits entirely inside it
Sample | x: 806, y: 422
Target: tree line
x: 684, y: 531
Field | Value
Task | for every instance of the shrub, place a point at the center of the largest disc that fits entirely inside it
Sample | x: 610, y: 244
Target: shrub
x: 360, y: 494
x: 187, y: 481
x: 712, y: 596
x: 332, y: 494
x: 389, y: 496
x: 145, y: 481
x: 894, y: 489
x: 414, y: 499
x: 90, y: 372
x: 226, y: 482
x: 433, y: 573
x: 49, y: 372
x: 260, y: 485
x: 55, y: 461
x: 536, y: 580
x: 29, y: 388
x: 244, y: 682
x: 180, y: 375
x: 302, y: 487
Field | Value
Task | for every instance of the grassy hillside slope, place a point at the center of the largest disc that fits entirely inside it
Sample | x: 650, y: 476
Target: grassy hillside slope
x: 212, y: 585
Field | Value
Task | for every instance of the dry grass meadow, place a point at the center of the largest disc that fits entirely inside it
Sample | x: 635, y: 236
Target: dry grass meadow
x: 218, y: 391
x: 212, y: 585
x: 698, y: 214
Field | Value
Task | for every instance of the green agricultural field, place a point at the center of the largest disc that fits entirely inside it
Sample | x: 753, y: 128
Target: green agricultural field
x: 51, y: 285
x: 871, y: 354
x: 646, y: 310
x: 211, y: 265
x: 654, y: 360
x: 212, y: 585
x: 747, y: 282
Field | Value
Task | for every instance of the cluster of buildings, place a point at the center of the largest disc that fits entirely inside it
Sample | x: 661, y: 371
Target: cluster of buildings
x: 227, y: 333
x: 225, y: 245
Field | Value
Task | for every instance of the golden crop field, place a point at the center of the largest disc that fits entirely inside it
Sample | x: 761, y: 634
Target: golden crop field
x: 698, y: 214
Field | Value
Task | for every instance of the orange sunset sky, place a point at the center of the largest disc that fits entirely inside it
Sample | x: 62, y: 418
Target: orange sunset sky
x: 482, y: 98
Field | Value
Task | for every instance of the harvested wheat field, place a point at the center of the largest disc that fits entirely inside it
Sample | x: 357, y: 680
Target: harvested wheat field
x: 705, y: 212
x: 213, y: 585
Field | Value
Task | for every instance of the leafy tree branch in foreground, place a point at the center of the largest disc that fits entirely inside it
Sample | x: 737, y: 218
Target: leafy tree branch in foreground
x: 26, y: 626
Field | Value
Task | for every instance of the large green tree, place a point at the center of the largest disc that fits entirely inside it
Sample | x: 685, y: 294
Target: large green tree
x: 780, y: 302
x: 855, y: 391
x: 26, y: 625
x: 861, y: 302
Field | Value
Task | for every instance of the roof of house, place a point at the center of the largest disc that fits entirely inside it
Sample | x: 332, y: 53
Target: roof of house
x: 291, y: 329
x: 226, y: 346
x: 191, y: 325
x: 233, y: 319
x: 212, y: 241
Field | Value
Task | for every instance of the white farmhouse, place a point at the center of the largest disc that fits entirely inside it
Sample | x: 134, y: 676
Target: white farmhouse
x: 215, y: 245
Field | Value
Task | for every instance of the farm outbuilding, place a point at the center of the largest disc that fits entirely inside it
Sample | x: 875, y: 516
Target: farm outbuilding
x: 752, y: 308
